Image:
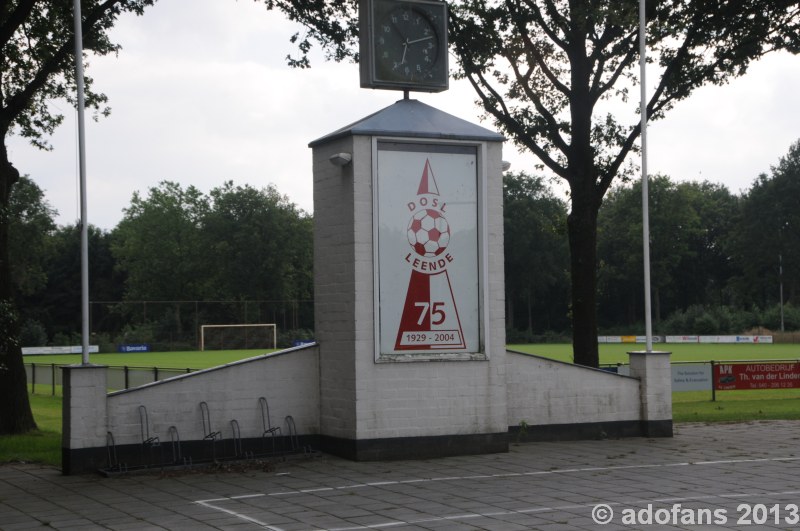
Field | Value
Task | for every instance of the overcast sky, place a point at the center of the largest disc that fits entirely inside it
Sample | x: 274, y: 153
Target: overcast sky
x: 201, y: 94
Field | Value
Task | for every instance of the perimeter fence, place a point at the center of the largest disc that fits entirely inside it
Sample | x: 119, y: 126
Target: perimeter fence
x: 46, y: 378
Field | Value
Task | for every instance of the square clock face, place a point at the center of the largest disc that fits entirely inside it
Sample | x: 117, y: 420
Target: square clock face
x: 403, y: 45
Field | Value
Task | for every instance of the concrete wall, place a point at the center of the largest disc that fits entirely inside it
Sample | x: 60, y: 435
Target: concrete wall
x: 288, y: 379
x: 549, y: 393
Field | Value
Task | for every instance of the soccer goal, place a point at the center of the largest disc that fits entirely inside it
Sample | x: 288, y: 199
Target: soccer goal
x: 238, y: 336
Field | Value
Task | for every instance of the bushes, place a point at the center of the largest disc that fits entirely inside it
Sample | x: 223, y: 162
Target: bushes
x: 32, y: 334
x: 694, y: 320
x: 714, y: 320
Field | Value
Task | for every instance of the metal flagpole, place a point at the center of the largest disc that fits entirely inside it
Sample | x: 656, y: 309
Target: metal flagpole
x: 648, y: 322
x: 82, y: 165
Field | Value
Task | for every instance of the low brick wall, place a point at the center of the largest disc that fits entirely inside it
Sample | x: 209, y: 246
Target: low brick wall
x: 288, y: 379
x: 545, y: 400
x: 549, y: 400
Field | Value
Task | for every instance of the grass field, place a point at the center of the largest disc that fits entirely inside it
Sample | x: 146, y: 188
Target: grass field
x: 164, y: 360
x: 44, y: 446
x: 609, y: 354
x: 617, y: 353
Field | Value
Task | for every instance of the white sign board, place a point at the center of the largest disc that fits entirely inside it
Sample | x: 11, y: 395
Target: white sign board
x: 691, y: 377
x: 685, y: 377
x: 428, y: 274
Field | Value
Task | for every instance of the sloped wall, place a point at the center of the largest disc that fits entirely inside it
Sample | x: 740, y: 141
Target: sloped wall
x: 549, y: 399
x: 288, y: 379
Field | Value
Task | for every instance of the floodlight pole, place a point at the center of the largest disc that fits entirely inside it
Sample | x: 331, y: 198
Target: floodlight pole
x: 648, y: 322
x: 82, y: 165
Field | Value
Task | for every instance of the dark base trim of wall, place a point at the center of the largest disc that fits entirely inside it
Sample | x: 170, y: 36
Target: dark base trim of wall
x: 590, y: 430
x: 136, y: 456
x: 132, y: 457
x: 414, y: 447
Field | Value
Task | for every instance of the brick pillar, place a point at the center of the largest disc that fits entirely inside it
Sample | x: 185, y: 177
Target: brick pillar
x: 85, y: 418
x: 655, y: 373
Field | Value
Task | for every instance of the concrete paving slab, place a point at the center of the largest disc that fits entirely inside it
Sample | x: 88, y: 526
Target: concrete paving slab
x: 746, y: 472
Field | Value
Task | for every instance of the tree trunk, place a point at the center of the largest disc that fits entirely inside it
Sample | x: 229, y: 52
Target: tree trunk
x: 656, y: 305
x: 582, y: 228
x: 509, y: 309
x: 529, y: 301
x: 15, y: 409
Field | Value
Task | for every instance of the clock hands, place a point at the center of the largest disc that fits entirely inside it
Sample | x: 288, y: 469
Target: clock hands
x: 429, y: 37
x: 410, y: 42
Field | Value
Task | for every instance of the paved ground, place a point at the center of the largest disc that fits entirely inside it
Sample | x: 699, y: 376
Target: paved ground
x: 735, y: 476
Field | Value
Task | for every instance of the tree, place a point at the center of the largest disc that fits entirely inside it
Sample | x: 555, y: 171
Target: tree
x: 37, y: 65
x: 235, y: 244
x: 689, y: 225
x: 536, y: 252
x: 31, y: 218
x: 58, y: 306
x: 767, y: 234
x: 260, y: 245
x: 544, y: 69
x: 160, y: 247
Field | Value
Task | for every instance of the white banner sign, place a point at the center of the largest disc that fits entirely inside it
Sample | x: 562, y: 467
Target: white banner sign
x: 32, y: 351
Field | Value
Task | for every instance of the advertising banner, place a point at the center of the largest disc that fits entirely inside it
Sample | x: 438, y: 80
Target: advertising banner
x: 133, y: 347
x: 756, y: 376
x: 428, y: 250
x: 735, y: 339
x: 683, y: 339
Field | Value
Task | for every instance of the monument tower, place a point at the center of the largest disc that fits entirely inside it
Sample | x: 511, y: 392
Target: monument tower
x: 408, y: 259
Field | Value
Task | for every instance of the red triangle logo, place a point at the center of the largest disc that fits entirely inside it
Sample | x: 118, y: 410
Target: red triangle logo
x: 427, y: 184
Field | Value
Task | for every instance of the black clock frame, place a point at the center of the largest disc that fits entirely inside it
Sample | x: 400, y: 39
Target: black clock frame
x: 372, y: 14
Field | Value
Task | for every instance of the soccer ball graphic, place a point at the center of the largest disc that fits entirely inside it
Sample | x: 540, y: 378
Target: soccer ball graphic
x: 428, y: 233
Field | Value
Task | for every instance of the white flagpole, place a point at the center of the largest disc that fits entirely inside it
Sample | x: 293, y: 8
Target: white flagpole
x: 82, y: 165
x: 648, y: 323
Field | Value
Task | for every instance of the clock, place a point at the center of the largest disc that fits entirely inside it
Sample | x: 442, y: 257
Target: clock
x: 403, y: 45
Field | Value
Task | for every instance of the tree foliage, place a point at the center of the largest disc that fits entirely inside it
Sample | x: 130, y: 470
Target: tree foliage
x: 767, y: 235
x: 690, y: 226
x: 237, y: 242
x: 536, y: 261
x: 158, y: 244
x: 260, y: 244
x: 32, y: 221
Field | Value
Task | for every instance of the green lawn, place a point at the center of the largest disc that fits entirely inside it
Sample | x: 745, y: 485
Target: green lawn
x: 736, y: 406
x: 172, y: 360
x: 609, y: 354
x: 43, y: 445
x: 617, y: 353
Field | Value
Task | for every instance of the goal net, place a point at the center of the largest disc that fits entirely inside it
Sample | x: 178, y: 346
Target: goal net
x: 238, y: 336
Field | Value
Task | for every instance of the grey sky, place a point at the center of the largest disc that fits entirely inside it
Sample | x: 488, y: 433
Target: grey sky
x: 201, y: 94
